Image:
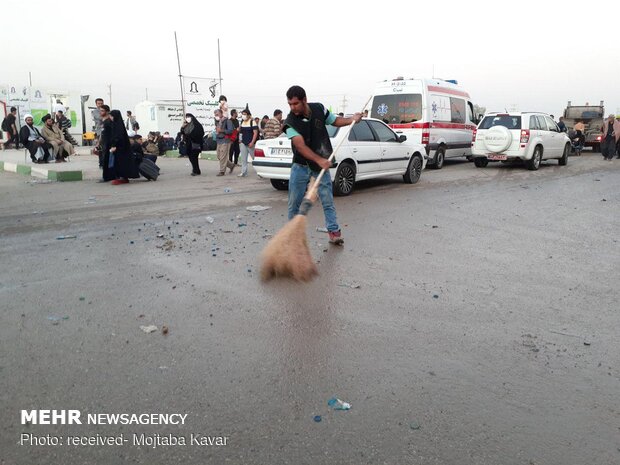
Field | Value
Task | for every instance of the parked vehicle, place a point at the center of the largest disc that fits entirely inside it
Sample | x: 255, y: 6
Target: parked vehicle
x: 372, y: 150
x: 435, y: 113
x: 592, y: 116
x: 528, y: 136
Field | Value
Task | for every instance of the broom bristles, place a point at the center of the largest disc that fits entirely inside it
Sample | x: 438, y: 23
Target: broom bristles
x: 287, y: 253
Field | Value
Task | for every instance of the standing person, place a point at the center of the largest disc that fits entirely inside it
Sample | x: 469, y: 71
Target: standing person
x: 131, y: 124
x: 121, y: 160
x: 9, y: 124
x: 249, y: 135
x: 234, y: 139
x: 224, y: 129
x: 193, y: 132
x: 306, y: 127
x: 261, y: 128
x: 611, y: 132
x: 618, y: 137
x: 561, y: 124
x: 105, y: 143
x: 98, y: 128
x: 273, y: 128
x: 31, y: 138
x: 58, y: 106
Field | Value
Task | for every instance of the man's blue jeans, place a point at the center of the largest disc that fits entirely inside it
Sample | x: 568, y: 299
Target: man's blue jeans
x: 297, y: 187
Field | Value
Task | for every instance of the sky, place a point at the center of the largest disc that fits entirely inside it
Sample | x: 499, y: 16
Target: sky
x: 524, y: 56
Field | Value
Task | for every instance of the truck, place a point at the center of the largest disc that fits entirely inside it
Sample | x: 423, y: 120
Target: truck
x: 592, y: 116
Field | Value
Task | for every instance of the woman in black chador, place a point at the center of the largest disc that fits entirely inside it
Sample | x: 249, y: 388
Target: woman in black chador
x: 193, y: 132
x: 121, y: 159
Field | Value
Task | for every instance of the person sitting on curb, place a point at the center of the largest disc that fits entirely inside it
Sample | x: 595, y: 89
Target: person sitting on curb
x: 52, y: 134
x: 31, y: 138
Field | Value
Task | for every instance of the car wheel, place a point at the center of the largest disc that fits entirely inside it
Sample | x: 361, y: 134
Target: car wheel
x: 440, y: 156
x: 534, y: 163
x: 481, y: 162
x: 414, y: 170
x: 280, y: 184
x: 564, y: 160
x: 344, y: 181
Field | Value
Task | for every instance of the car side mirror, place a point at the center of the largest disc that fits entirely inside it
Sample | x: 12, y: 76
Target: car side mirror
x: 402, y: 138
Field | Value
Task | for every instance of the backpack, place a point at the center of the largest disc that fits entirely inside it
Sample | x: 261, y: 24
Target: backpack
x: 5, y: 125
x: 234, y: 135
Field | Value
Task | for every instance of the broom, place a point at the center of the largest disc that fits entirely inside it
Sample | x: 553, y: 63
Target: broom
x: 287, y: 253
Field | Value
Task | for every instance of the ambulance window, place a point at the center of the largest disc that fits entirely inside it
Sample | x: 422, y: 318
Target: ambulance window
x: 470, y: 112
x: 397, y: 109
x: 360, y: 132
x: 457, y: 110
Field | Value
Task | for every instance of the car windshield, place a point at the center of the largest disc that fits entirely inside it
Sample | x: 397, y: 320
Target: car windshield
x: 397, y: 109
x: 510, y: 122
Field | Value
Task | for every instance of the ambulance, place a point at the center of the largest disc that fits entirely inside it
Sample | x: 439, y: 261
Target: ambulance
x: 434, y: 112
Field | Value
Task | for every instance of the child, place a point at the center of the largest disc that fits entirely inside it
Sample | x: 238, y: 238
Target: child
x: 224, y: 106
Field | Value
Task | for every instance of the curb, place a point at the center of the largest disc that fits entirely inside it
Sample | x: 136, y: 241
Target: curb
x: 40, y: 172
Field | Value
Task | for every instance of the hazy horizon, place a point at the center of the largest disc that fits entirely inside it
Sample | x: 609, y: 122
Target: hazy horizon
x: 521, y: 57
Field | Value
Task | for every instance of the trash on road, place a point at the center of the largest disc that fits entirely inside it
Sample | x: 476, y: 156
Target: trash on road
x: 60, y: 238
x: 414, y: 425
x: 227, y: 190
x: 257, y: 208
x: 164, y: 330
x: 352, y: 285
x: 323, y: 230
x: 149, y: 329
x: 338, y: 404
x: 57, y: 319
x: 210, y: 219
x: 317, y: 418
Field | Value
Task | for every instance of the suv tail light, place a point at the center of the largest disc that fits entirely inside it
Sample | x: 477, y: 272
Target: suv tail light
x: 473, y: 135
x: 525, y: 136
x: 259, y: 153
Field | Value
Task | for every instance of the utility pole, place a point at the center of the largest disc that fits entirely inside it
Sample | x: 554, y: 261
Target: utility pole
x: 176, y: 44
x: 219, y: 65
x: 110, y: 94
x: 30, y: 78
x: 147, y: 94
x: 344, y: 103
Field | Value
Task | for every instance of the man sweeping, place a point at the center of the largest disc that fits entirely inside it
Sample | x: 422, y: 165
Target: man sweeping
x: 306, y: 127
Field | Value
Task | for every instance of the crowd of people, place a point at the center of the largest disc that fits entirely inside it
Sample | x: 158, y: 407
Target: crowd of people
x: 235, y: 139
x: 52, y: 143
x: 120, y: 148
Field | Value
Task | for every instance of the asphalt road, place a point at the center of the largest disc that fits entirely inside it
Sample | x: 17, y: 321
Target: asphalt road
x: 471, y: 318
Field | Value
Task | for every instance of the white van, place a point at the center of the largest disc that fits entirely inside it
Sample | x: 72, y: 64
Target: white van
x: 435, y: 113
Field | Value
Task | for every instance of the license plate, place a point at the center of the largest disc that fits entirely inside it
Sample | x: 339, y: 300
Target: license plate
x: 281, y: 151
x: 497, y: 157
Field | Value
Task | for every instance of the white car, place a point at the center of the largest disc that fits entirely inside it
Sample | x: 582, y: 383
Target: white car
x: 529, y: 136
x: 372, y: 150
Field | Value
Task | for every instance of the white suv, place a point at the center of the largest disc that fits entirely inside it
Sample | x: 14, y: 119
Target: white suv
x: 529, y: 136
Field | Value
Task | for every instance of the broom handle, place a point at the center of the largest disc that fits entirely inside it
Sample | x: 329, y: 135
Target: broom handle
x: 315, y: 186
